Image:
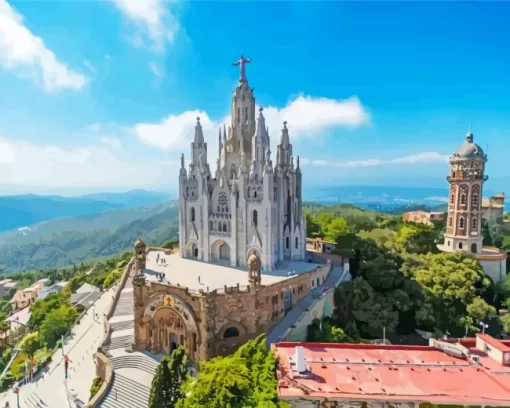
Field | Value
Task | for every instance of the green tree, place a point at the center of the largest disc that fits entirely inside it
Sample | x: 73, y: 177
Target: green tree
x: 166, y: 384
x: 30, y: 344
x: 4, y: 325
x: 505, y: 321
x: 313, y: 228
x: 245, y: 379
x: 56, y: 324
x: 336, y: 228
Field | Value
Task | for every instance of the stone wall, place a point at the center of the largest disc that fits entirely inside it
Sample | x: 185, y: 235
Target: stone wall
x: 103, y: 365
x: 219, y: 321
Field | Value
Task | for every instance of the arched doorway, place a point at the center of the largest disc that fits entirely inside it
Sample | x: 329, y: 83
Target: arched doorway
x: 173, y: 342
x: 192, y: 251
x: 220, y: 251
x: 231, y: 332
x: 473, y: 248
x: 169, y: 331
x: 224, y: 252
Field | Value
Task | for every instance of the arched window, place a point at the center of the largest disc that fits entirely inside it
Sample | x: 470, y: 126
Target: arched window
x: 463, y: 198
x: 460, y: 245
x: 450, y: 221
x: 255, y: 217
x: 245, y: 114
x: 452, y: 198
x: 475, y: 199
x: 232, y: 171
x: 461, y: 222
x: 238, y: 115
x: 192, y: 214
x: 473, y: 248
x: 474, y: 224
x: 222, y: 202
x: 296, y: 243
x: 224, y: 227
x: 287, y: 242
x: 254, y: 194
x: 210, y: 225
x: 231, y: 332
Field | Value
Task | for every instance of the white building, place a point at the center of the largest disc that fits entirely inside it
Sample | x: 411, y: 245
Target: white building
x: 247, y: 205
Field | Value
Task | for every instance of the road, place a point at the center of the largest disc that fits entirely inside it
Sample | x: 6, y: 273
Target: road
x: 50, y: 389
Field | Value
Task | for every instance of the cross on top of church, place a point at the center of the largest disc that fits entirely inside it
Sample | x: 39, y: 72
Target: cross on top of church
x: 241, y: 62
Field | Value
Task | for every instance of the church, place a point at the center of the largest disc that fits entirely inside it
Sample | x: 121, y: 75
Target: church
x: 249, y: 205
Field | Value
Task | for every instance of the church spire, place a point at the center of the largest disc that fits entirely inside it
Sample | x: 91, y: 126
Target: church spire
x: 199, y: 136
x: 284, y: 138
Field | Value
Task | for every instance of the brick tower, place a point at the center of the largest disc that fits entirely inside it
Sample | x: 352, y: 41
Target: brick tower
x: 466, y: 178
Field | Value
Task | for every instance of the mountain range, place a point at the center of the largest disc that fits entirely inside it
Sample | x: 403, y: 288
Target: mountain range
x: 40, y: 232
x: 20, y: 211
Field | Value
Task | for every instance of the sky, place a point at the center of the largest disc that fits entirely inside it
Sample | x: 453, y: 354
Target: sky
x: 103, y: 95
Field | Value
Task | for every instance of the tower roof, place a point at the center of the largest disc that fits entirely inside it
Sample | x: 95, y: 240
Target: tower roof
x: 284, y: 138
x: 199, y: 136
x: 139, y: 243
x: 468, y: 150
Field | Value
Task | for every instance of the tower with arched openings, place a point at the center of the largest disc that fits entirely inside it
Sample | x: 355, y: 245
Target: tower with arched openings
x: 464, y: 220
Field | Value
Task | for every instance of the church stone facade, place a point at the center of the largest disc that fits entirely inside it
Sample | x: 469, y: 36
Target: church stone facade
x: 248, y: 204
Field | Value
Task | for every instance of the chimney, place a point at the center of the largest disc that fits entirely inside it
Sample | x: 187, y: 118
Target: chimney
x: 300, y: 359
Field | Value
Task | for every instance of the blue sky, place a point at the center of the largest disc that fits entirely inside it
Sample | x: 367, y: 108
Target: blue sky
x: 103, y: 95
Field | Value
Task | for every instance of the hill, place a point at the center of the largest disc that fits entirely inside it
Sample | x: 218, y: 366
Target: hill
x: 19, y: 211
x: 65, y: 241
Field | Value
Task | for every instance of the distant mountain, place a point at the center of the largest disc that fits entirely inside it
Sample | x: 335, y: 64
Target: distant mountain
x: 65, y: 241
x: 24, y: 210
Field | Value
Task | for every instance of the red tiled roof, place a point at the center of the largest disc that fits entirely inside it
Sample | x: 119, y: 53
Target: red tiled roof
x: 497, y: 344
x: 389, y: 373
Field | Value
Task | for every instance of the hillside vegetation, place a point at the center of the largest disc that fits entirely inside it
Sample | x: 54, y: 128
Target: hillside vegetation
x: 73, y: 240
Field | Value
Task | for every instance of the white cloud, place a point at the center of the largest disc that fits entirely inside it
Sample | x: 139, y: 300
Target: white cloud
x: 155, y: 70
x: 427, y: 157
x: 111, y: 142
x: 95, y: 167
x: 89, y: 66
x: 26, y: 55
x: 306, y: 117
x: 95, y: 127
x: 155, y: 23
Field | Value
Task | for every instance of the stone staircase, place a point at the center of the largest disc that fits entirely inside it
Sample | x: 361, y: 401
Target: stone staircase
x: 127, y: 389
x: 135, y: 360
x: 126, y: 393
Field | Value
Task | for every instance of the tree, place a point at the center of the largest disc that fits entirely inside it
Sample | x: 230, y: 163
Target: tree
x: 245, y: 379
x: 56, y: 324
x: 453, y: 284
x: 505, y: 321
x: 166, y: 384
x: 30, y: 344
x: 4, y: 325
x: 313, y: 228
x: 336, y: 228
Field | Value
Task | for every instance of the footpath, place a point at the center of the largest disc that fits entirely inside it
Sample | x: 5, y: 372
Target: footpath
x: 49, y: 388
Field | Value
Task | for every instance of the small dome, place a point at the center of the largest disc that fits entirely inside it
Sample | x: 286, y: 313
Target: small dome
x: 468, y: 150
x: 139, y: 243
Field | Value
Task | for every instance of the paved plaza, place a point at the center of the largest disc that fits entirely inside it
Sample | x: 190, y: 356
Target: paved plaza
x: 186, y: 272
x: 49, y: 389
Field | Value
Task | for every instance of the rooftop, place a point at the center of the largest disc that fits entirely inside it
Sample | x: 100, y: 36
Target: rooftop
x: 21, y: 317
x: 201, y: 275
x: 372, y: 372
